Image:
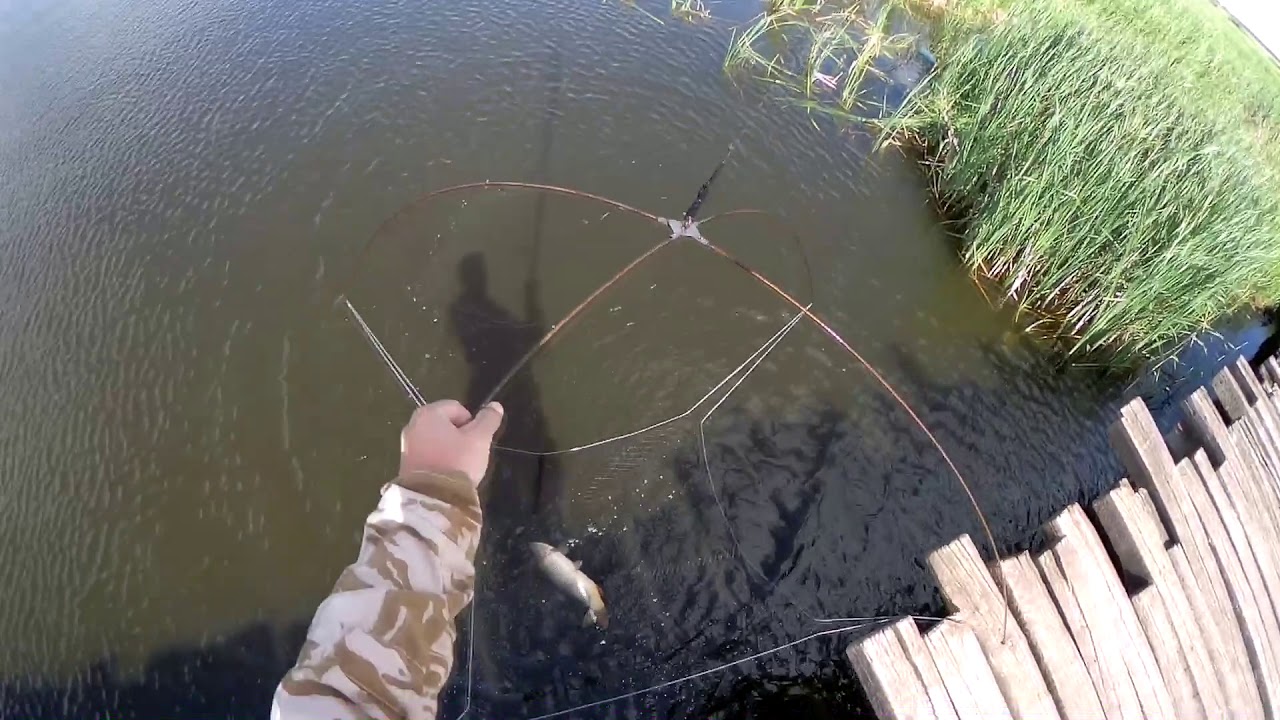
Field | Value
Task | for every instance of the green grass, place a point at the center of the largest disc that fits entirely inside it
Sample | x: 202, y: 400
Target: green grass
x: 1114, y: 164
x: 827, y: 51
x: 689, y: 10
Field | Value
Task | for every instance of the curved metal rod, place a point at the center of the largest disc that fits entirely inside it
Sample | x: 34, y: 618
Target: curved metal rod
x: 423, y: 199
x: 556, y: 328
x: 817, y: 320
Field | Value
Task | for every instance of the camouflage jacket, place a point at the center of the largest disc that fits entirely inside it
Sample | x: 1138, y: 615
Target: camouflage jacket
x: 381, y: 645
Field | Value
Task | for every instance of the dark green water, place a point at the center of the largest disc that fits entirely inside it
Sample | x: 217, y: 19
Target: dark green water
x: 193, y: 432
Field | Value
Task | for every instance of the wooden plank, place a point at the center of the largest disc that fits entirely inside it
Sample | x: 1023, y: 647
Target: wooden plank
x: 1271, y: 390
x: 1148, y: 507
x: 1077, y: 537
x: 1263, y: 416
x: 1141, y: 553
x: 1260, y: 475
x: 970, y: 592
x: 1247, y: 380
x: 1261, y: 424
x: 1240, y: 692
x: 966, y: 672
x: 909, y: 635
x: 1229, y: 394
x: 1253, y: 381
x: 1098, y: 643
x: 1240, y: 445
x: 1270, y: 402
x: 1237, y: 485
x: 1273, y: 370
x: 952, y: 669
x: 1157, y: 624
x: 1240, y: 573
x: 890, y: 677
x: 1063, y: 669
x: 1138, y: 443
x: 1239, y: 391
x: 1255, y: 438
x: 1259, y: 452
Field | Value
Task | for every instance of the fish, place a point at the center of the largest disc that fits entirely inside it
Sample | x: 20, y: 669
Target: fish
x: 568, y: 576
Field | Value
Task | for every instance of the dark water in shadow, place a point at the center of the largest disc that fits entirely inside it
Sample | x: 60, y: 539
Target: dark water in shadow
x: 195, y: 433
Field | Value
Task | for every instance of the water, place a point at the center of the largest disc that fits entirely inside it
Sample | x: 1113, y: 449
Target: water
x: 195, y: 431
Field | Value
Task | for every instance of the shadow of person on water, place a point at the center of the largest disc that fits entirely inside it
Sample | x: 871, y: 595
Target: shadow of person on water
x: 520, y: 497
x: 493, y: 340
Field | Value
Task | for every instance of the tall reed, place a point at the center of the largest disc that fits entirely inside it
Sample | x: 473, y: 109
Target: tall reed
x: 1115, y: 166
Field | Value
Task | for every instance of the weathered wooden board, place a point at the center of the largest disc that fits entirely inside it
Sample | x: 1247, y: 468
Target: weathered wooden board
x: 1137, y: 442
x: 1139, y: 445
x: 1258, y: 427
x: 1077, y: 537
x: 972, y: 594
x: 1148, y: 507
x: 1273, y: 371
x: 1247, y: 593
x: 1229, y: 394
x: 1153, y: 617
x: 1141, y: 552
x: 1051, y: 643
x: 1258, y: 469
x: 909, y: 635
x: 891, y: 679
x: 1236, y: 487
x: 1239, y: 691
x: 966, y: 673
x: 1262, y: 418
x: 1249, y: 384
x: 1098, y: 642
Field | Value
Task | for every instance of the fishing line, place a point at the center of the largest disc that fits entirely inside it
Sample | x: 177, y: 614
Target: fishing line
x: 405, y: 383
x: 675, y: 418
x: 708, y: 671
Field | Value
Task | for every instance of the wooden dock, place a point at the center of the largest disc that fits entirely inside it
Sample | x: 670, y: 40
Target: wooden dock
x: 1159, y: 600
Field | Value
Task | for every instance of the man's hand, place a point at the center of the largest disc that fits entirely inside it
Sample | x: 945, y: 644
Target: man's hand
x: 444, y: 437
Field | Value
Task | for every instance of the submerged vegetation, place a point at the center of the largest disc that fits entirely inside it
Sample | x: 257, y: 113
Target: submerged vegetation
x: 1113, y: 166
x: 836, y: 55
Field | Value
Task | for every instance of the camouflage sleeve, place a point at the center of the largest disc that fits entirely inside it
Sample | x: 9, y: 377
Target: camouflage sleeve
x: 381, y: 645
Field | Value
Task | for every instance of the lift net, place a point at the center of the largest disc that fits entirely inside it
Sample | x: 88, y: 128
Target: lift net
x: 647, y: 365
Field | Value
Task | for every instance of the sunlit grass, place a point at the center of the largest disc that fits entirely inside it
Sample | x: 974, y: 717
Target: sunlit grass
x: 825, y: 50
x: 1113, y: 166
x: 689, y: 9
x: 1115, y: 186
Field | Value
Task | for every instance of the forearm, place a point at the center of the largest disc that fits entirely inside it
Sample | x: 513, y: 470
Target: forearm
x: 381, y: 645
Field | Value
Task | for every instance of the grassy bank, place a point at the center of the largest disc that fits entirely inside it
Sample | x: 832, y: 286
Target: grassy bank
x: 1114, y: 165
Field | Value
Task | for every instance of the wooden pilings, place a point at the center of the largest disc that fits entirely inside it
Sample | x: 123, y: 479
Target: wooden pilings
x: 1162, y: 601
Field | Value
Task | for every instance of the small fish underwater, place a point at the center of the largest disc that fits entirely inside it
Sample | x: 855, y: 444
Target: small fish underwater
x: 568, y: 576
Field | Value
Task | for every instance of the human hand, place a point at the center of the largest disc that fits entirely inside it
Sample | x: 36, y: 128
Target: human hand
x: 444, y: 437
